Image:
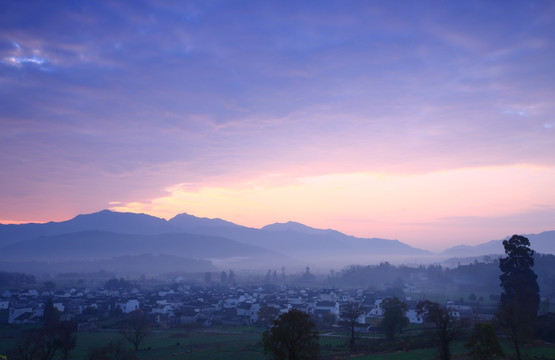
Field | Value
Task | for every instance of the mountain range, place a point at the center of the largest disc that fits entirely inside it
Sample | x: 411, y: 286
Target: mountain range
x: 543, y: 243
x: 201, y: 244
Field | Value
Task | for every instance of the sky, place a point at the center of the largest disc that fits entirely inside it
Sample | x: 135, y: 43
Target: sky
x: 430, y: 122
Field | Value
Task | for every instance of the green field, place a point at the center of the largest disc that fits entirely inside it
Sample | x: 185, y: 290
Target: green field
x: 239, y: 343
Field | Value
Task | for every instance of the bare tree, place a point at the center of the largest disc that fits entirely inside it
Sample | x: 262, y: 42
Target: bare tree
x: 350, y: 313
x: 135, y: 328
x: 445, y: 325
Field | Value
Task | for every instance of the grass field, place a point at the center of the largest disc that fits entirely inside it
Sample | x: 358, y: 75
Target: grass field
x: 228, y: 343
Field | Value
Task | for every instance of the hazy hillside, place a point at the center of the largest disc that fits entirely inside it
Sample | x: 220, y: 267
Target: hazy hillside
x: 130, y: 265
x: 543, y: 243
x: 94, y: 245
x: 107, y: 234
x: 190, y: 222
x: 294, y: 240
x: 317, y: 246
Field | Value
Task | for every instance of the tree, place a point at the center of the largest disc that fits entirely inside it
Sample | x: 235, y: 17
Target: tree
x: 223, y: 277
x: 26, y: 346
x: 445, y: 326
x: 267, y: 277
x: 267, y: 315
x: 394, y: 318
x: 350, y: 313
x: 36, y: 344
x: 293, y: 337
x: 135, y: 328
x: 483, y: 344
x: 51, y: 315
x: 231, y: 278
x: 67, y: 340
x: 46, y: 342
x: 520, y: 298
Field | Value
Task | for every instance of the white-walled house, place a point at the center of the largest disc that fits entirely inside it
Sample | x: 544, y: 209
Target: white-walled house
x: 24, y: 315
x: 331, y: 306
x: 413, y: 317
x: 129, y: 306
x: 377, y: 310
x: 249, y: 310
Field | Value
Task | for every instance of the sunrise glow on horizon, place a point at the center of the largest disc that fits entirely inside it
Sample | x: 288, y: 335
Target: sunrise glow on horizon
x: 430, y: 123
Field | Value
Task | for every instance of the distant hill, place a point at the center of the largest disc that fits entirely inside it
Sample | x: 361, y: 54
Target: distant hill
x: 543, y: 243
x: 328, y: 247
x: 189, y: 222
x: 95, y: 245
x: 299, y: 228
x: 107, y: 234
x: 292, y: 239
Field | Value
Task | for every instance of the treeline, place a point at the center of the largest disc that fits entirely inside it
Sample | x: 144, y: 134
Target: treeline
x: 518, y: 318
x: 474, y: 277
x: 14, y: 279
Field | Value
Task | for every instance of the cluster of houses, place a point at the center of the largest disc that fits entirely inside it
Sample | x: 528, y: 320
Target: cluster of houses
x: 203, y: 306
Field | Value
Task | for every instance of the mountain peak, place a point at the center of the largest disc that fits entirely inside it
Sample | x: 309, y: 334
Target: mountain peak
x: 294, y: 226
x: 187, y: 221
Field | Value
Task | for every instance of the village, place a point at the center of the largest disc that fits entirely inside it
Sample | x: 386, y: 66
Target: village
x: 205, y: 306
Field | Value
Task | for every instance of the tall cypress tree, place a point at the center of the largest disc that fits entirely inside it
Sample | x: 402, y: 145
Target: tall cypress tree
x: 520, y: 299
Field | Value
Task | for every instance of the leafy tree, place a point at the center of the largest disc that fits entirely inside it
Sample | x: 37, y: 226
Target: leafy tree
x: 545, y: 329
x: 307, y: 276
x: 293, y: 337
x: 223, y: 277
x: 231, y: 278
x: 267, y: 315
x: 394, y: 319
x: 483, y: 343
x: 445, y: 325
x: 267, y: 277
x: 135, y: 328
x: 11, y: 279
x: 51, y: 315
x: 520, y: 299
x: 350, y: 313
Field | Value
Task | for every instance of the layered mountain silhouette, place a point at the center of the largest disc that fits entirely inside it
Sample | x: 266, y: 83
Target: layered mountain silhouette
x: 202, y: 243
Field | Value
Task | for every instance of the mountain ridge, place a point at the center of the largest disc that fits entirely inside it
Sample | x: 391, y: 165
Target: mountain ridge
x: 543, y: 242
x: 290, y: 240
